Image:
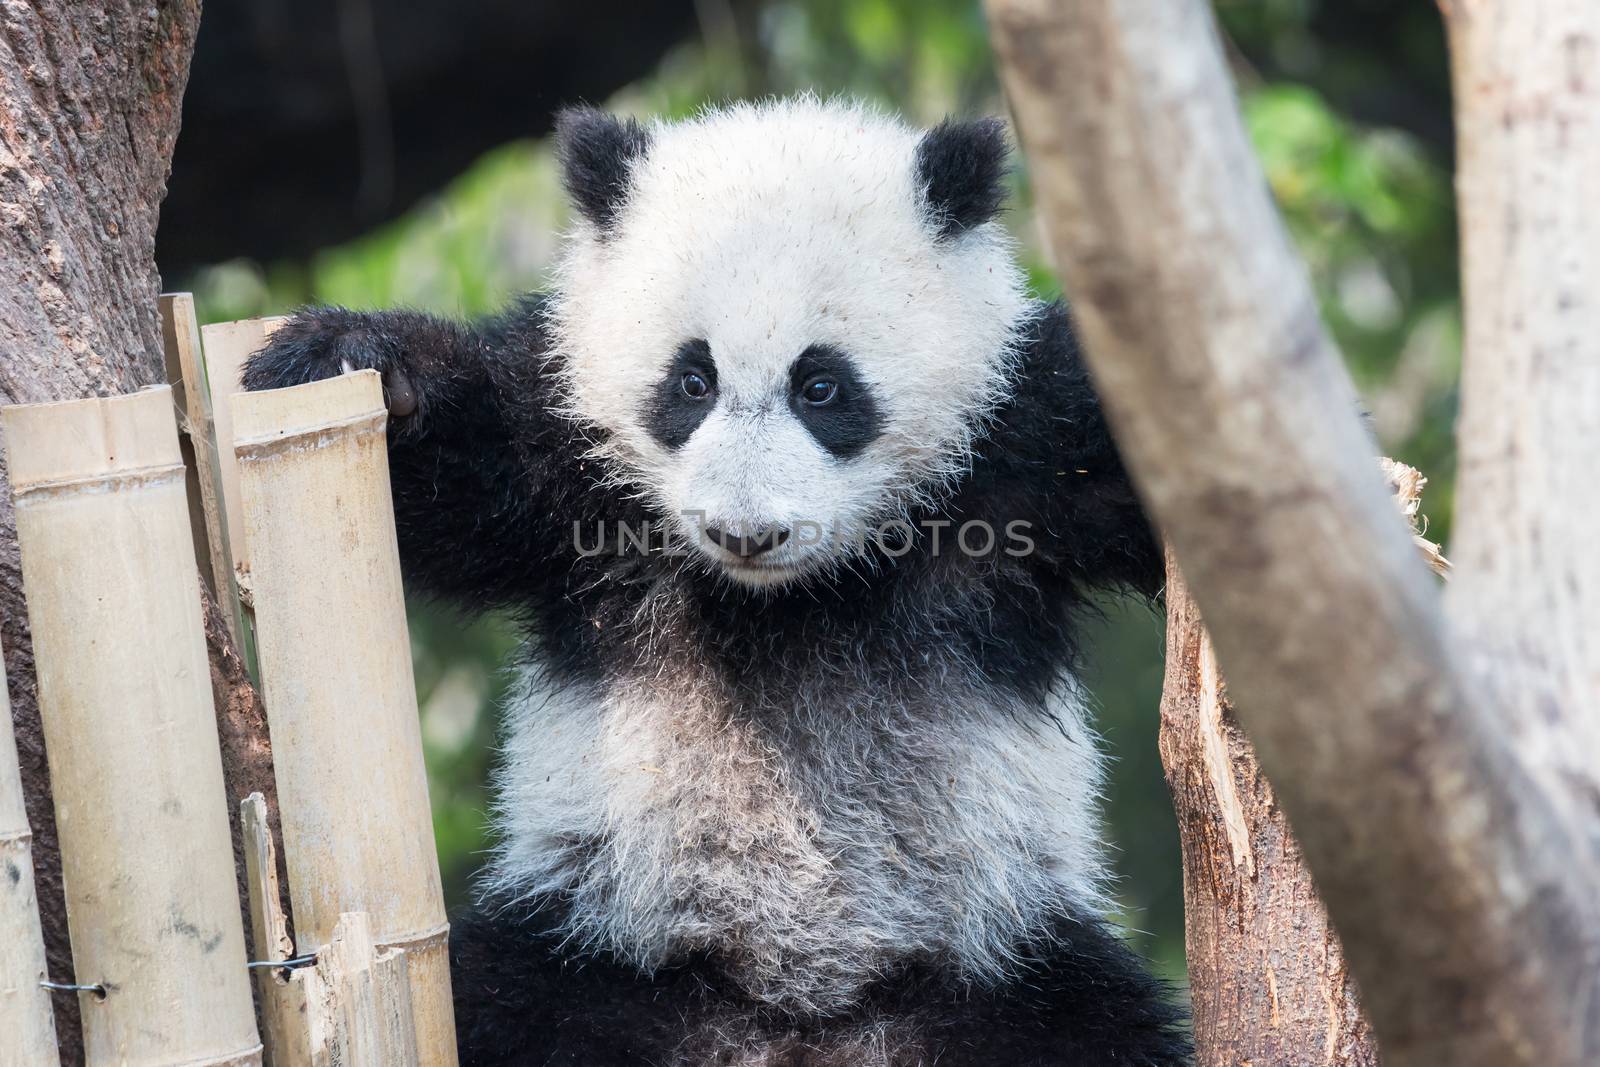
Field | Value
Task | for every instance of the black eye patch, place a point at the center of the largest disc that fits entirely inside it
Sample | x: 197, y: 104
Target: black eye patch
x: 849, y: 420
x: 684, y: 396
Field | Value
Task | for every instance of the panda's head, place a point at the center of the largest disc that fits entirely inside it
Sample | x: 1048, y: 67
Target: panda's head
x: 786, y: 320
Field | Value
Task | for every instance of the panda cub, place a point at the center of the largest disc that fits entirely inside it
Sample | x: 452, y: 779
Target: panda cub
x: 801, y: 499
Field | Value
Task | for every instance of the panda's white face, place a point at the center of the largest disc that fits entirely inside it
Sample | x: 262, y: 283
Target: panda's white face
x: 774, y: 335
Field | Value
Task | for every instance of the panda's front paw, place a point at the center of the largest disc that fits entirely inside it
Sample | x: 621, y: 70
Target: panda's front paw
x: 320, y: 343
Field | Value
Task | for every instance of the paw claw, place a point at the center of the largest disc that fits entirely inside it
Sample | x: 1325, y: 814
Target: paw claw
x: 402, y: 396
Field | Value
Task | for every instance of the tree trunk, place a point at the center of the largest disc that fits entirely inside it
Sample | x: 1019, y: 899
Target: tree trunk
x: 1449, y: 823
x: 89, y: 111
x: 1527, y: 86
x: 1266, y: 972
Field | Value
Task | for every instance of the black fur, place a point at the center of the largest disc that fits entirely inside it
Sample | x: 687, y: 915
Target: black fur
x: 597, y: 153
x: 489, y: 483
x: 671, y: 416
x: 1082, y: 999
x: 962, y: 168
x: 521, y: 998
x: 848, y: 423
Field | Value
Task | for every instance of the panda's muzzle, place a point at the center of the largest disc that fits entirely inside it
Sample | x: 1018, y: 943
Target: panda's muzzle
x: 749, y: 545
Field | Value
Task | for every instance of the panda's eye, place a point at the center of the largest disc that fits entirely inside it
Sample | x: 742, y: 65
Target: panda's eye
x: 694, y: 386
x: 819, y: 391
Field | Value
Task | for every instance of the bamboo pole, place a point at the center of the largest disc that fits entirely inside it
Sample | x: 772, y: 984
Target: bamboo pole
x: 125, y: 700
x: 186, y: 370
x: 25, y: 1016
x: 224, y: 350
x: 336, y: 666
x: 230, y: 640
x: 228, y: 346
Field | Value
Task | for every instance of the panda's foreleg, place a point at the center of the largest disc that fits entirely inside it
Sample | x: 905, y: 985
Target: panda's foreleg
x: 424, y: 360
x: 462, y: 424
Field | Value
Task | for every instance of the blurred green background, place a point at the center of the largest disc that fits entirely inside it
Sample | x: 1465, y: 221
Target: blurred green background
x: 1347, y: 103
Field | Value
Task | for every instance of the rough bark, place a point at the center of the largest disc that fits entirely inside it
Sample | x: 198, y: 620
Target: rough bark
x: 246, y: 749
x: 1463, y: 877
x: 1267, y: 974
x: 89, y: 110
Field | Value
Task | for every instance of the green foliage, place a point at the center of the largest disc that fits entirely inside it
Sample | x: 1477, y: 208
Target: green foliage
x: 1368, y: 207
x: 462, y: 677
x: 486, y: 237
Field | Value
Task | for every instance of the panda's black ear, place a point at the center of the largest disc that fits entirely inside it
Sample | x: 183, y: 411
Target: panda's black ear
x: 597, y: 153
x: 961, y: 167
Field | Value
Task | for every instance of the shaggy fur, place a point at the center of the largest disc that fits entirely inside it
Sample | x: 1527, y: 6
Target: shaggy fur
x: 829, y: 803
x: 836, y: 826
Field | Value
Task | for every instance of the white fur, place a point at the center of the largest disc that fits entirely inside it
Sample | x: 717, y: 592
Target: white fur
x: 766, y: 228
x: 816, y: 848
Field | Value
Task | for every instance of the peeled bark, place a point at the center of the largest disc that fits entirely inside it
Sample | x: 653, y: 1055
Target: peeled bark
x: 1460, y: 868
x: 89, y: 111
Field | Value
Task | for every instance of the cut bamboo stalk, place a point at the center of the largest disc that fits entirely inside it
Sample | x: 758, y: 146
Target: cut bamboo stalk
x: 25, y: 1016
x: 186, y: 371
x: 125, y: 699
x: 228, y: 346
x: 282, y: 995
x: 186, y: 442
x: 336, y: 669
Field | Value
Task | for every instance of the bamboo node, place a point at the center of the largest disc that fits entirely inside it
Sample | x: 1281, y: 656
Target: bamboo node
x: 310, y: 438
x: 27, y: 492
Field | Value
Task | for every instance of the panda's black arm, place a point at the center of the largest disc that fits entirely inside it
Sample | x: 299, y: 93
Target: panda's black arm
x: 465, y: 437
x: 1050, y: 461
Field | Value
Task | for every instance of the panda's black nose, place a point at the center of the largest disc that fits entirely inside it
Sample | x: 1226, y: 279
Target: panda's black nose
x: 748, y: 545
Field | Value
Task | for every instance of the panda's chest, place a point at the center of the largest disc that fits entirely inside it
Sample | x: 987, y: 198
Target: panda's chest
x: 805, y: 846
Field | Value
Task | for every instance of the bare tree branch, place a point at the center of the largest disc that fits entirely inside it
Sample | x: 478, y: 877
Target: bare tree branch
x: 1465, y: 891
